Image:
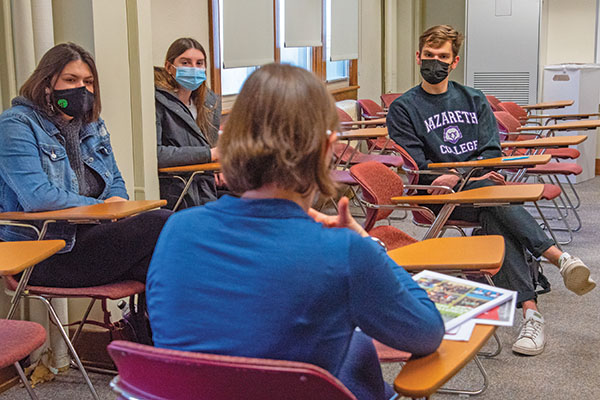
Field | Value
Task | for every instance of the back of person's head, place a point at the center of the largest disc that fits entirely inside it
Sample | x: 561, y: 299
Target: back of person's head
x: 437, y: 35
x: 38, y: 87
x: 277, y: 132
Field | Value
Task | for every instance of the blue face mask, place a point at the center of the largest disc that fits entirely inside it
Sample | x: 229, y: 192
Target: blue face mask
x: 190, y: 77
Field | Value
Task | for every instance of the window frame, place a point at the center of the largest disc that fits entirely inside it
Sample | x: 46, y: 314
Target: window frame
x: 318, y: 63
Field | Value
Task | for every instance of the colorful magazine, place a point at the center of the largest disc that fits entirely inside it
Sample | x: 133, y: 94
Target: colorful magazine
x: 502, y: 315
x: 459, y: 300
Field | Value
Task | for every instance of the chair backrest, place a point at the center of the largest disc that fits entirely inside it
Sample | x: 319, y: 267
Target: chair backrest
x: 379, y: 184
x: 388, y: 98
x: 152, y: 373
x: 494, y: 101
x: 343, y: 115
x: 508, y: 124
x: 368, y: 108
x: 513, y: 109
x: 409, y: 164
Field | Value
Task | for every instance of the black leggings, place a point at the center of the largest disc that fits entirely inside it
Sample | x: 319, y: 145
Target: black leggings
x: 104, y: 253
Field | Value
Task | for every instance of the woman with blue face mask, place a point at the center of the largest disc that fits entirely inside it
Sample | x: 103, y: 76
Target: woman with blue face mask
x: 188, y: 116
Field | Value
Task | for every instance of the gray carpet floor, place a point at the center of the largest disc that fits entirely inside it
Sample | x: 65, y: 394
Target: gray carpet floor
x: 568, y: 368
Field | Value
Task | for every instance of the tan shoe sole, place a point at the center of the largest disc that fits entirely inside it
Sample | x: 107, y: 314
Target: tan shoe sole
x: 578, y: 280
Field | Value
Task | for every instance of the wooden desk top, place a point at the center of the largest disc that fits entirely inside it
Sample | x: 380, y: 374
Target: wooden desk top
x: 484, y: 195
x: 451, y: 253
x: 549, y: 104
x: 497, y: 162
x: 563, y: 116
x: 214, y: 166
x: 368, y: 122
x: 366, y: 133
x: 422, y: 377
x: 554, y: 141
x: 16, y: 256
x: 565, y: 126
x: 99, y: 212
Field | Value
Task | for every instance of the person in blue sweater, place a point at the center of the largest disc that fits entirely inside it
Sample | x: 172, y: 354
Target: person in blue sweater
x: 441, y: 120
x: 265, y: 275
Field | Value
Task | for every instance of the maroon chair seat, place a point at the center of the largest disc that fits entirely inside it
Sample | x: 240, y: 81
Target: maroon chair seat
x: 369, y: 109
x: 393, y: 237
x: 343, y: 177
x: 112, y: 291
x: 388, y: 98
x: 356, y: 157
x: 152, y: 373
x: 554, y: 168
x: 389, y: 354
x: 19, y: 339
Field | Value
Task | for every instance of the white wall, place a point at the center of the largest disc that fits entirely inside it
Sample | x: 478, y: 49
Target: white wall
x: 175, y: 19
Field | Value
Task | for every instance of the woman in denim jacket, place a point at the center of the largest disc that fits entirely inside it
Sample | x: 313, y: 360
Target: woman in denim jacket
x: 55, y: 153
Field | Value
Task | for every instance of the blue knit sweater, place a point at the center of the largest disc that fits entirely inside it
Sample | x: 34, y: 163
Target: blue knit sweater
x: 260, y: 278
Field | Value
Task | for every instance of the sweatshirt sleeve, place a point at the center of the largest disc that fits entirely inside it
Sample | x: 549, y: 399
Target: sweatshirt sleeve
x: 388, y: 305
x: 489, y: 137
x: 402, y: 131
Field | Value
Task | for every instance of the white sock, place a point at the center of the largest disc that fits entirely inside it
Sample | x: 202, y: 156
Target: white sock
x: 564, y: 256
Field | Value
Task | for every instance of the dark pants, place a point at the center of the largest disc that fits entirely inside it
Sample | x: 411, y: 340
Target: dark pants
x: 104, y: 253
x: 360, y: 371
x: 520, y: 231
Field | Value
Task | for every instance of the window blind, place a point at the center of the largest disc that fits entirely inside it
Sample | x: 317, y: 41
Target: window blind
x: 344, y: 30
x: 248, y: 33
x: 303, y: 21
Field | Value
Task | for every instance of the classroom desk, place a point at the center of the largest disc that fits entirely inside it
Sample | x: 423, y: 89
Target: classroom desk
x: 96, y: 212
x: 423, y: 376
x: 368, y: 122
x: 488, y: 196
x: 451, y: 254
x: 192, y: 170
x: 549, y: 105
x: 561, y: 117
x: 547, y: 142
x: 17, y: 256
x: 358, y: 135
x: 470, y: 167
x: 581, y: 125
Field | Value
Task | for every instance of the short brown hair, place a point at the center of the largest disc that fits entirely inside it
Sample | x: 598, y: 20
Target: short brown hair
x: 437, y: 35
x: 49, y: 68
x: 165, y: 80
x: 277, y: 132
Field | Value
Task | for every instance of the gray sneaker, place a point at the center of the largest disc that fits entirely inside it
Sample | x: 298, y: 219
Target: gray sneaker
x: 575, y: 274
x: 531, y: 340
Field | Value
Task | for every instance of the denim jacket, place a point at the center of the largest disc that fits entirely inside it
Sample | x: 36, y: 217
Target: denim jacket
x: 35, y: 174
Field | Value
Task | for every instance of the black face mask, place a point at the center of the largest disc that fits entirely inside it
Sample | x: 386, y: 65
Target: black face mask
x: 73, y: 102
x: 434, y: 71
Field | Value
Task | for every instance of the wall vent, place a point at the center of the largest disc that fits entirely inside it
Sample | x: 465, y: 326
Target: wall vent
x: 506, y: 86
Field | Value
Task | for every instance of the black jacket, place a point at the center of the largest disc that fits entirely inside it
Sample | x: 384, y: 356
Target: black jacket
x: 180, y: 142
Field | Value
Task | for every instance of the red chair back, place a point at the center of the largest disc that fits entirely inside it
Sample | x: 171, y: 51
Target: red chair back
x: 343, y: 115
x: 370, y: 109
x: 513, y: 109
x: 388, y: 98
x: 379, y: 184
x: 152, y: 373
x: 508, y: 124
x: 494, y: 101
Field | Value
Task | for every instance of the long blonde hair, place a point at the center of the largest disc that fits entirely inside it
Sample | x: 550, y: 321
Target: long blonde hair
x: 164, y: 80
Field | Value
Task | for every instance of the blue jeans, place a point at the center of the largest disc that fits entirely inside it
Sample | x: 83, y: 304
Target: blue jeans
x: 520, y: 231
x: 360, y: 371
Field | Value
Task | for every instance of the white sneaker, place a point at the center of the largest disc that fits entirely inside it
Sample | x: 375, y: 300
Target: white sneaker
x: 531, y: 340
x: 575, y: 274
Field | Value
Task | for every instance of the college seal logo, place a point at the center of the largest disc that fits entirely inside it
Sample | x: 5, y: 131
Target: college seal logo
x: 452, y: 134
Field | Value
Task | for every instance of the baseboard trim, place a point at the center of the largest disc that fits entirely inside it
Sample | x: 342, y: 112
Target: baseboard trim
x: 597, y: 166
